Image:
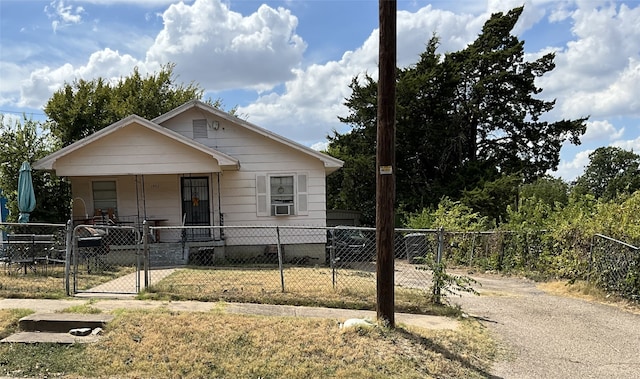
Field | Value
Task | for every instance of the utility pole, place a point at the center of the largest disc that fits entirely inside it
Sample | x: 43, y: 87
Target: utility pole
x: 385, y: 162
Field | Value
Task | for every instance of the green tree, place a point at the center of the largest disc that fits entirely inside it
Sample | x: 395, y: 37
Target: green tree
x: 28, y: 140
x: 463, y: 119
x: 84, y: 107
x: 553, y: 191
x: 611, y: 172
x: 450, y: 215
x: 492, y: 198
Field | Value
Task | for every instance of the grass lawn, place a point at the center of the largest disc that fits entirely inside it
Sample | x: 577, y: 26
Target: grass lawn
x: 50, y: 284
x: 164, y: 344
x: 310, y: 286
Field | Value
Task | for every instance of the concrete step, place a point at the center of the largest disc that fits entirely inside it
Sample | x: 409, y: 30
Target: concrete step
x: 47, y: 337
x: 62, y: 322
x: 58, y: 328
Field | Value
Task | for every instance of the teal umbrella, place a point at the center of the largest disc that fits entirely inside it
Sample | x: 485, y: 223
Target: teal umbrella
x: 26, y: 196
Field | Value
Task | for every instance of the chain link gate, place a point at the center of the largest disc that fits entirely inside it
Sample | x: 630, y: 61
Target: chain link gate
x: 106, y: 259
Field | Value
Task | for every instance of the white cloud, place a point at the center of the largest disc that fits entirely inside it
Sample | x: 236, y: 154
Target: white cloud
x: 108, y: 64
x: 595, y: 74
x: 311, y: 102
x: 148, y: 3
x: 620, y: 98
x: 633, y: 145
x: 221, y: 49
x: 601, y: 130
x: 320, y: 146
x: 415, y: 29
x: 570, y: 170
x: 62, y: 14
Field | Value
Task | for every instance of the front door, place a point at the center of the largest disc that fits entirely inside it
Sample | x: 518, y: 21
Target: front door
x: 195, y: 207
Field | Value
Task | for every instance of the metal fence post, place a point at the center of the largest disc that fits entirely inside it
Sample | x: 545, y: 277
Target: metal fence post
x: 440, y: 245
x: 280, y: 265
x: 590, y: 265
x: 68, y: 244
x: 145, y: 256
x: 438, y: 265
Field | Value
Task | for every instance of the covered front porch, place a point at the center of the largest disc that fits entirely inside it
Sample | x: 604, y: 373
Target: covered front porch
x: 136, y: 170
x: 160, y: 200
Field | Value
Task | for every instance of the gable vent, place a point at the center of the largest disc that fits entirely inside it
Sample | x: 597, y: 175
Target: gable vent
x: 200, y: 128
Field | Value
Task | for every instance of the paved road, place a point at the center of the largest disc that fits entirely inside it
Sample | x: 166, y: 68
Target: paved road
x: 555, y: 337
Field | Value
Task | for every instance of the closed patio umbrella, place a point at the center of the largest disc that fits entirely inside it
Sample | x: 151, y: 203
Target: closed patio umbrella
x: 26, y: 196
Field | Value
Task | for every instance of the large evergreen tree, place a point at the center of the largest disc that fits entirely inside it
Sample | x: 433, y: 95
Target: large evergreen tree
x: 464, y: 120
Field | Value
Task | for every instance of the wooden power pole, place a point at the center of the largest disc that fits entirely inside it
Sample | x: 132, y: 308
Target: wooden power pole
x: 385, y: 162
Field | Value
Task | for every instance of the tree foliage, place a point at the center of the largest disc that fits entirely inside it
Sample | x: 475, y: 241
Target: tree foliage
x: 84, y: 107
x: 553, y: 191
x: 76, y: 111
x: 449, y: 215
x: 28, y: 140
x: 464, y: 120
x: 612, y: 172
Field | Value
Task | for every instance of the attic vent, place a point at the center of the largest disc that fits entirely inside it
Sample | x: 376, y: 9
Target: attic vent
x: 200, y: 128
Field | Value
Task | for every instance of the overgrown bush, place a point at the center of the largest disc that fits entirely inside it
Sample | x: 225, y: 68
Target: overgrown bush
x: 544, y: 240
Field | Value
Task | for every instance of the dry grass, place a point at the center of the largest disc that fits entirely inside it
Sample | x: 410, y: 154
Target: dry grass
x: 586, y: 291
x: 9, y: 320
x: 165, y: 344
x: 303, y: 286
x: 49, y: 283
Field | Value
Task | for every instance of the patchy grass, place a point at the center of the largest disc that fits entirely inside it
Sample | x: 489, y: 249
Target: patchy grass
x: 82, y: 308
x: 161, y: 343
x: 354, y: 289
x: 49, y: 283
x: 587, y: 291
x: 9, y: 320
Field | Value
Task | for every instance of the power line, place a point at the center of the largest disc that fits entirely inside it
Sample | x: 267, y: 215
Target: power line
x: 22, y: 112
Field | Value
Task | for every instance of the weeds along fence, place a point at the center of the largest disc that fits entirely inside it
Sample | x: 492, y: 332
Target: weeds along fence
x: 615, y: 266
x: 501, y: 251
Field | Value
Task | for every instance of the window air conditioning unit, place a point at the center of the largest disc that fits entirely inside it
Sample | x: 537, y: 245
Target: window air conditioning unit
x: 282, y: 209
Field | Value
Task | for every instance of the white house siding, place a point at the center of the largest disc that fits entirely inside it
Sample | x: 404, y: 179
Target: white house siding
x: 136, y: 150
x: 258, y: 154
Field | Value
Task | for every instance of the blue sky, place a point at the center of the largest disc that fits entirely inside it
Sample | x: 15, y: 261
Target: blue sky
x: 287, y: 64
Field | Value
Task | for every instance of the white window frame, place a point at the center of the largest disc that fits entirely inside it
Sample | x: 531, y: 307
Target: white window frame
x: 266, y: 201
x: 93, y: 194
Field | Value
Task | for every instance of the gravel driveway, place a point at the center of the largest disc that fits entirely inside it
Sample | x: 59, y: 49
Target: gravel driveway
x: 548, y: 336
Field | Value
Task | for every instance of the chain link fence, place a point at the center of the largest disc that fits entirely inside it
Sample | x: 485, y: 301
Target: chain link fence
x: 32, y: 259
x: 280, y: 264
x: 106, y: 259
x: 500, y: 251
x: 615, y: 266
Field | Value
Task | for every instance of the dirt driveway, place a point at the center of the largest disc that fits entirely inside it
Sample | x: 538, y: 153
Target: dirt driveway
x: 549, y: 336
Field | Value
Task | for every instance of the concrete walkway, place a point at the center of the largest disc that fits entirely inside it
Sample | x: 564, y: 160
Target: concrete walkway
x: 126, y: 285
x: 120, y: 294
x: 340, y: 315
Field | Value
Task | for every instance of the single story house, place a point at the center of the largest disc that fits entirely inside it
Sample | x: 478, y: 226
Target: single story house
x: 196, y: 166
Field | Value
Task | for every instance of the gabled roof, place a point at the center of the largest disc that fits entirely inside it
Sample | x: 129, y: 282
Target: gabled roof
x: 331, y: 164
x: 224, y: 161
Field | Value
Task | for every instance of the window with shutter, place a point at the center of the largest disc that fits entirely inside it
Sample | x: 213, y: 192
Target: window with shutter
x: 281, y: 194
x: 302, y: 206
x: 261, y: 195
